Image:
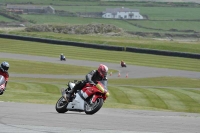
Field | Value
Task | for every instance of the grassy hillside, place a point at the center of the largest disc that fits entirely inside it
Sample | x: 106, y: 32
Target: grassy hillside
x: 164, y: 19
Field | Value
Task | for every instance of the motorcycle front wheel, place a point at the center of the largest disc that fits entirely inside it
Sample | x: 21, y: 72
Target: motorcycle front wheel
x: 94, y: 107
x: 61, y: 105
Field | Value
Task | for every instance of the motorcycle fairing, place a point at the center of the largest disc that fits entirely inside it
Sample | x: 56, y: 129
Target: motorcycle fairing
x: 2, y: 82
x: 94, y: 98
x: 90, y: 90
x: 87, y: 91
x: 102, y: 87
x: 77, y: 104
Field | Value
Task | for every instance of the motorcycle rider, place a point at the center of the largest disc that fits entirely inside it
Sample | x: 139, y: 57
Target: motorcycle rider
x: 123, y: 64
x: 92, y: 78
x: 61, y: 56
x: 4, y: 72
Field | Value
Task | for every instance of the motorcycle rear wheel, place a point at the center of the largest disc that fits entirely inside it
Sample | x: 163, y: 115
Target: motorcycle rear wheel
x: 61, y: 105
x: 93, y: 108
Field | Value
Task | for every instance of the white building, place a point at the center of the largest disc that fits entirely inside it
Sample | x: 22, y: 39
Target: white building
x: 122, y: 13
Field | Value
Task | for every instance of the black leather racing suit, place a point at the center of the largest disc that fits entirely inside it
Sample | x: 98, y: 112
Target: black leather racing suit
x: 92, y: 77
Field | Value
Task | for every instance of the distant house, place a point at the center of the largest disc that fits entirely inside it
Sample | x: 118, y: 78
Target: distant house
x: 30, y: 9
x: 122, y: 13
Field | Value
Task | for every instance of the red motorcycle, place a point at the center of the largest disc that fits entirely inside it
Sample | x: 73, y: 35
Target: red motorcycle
x: 89, y: 99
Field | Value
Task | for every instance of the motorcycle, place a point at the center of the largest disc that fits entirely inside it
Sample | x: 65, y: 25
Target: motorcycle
x: 89, y: 99
x: 123, y: 64
x: 63, y: 58
x: 2, y: 84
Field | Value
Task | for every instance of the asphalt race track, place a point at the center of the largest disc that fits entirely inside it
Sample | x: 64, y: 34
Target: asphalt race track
x: 38, y: 118
x: 132, y: 71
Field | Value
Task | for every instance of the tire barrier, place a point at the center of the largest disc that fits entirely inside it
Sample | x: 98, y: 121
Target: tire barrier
x: 104, y: 47
x: 165, y: 53
x: 62, y: 42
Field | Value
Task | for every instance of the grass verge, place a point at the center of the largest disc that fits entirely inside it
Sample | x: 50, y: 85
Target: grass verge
x: 36, y: 67
x: 42, y: 49
x: 177, y: 94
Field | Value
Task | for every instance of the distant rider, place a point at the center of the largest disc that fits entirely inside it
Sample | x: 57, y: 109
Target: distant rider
x: 92, y: 78
x: 4, y: 72
x: 122, y: 63
x: 62, y: 56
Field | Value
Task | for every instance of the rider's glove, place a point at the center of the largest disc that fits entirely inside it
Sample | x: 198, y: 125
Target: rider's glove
x: 91, y: 82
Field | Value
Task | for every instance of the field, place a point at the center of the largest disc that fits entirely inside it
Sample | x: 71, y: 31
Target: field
x: 182, y: 17
x: 162, y: 93
x: 42, y: 49
x: 177, y: 94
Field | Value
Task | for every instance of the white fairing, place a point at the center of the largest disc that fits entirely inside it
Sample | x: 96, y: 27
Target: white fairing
x: 84, y: 94
x: 77, y: 103
x: 2, y: 80
x: 2, y: 83
x: 71, y: 85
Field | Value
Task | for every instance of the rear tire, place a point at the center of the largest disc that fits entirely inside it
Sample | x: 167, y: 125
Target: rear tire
x: 91, y: 109
x: 61, y: 105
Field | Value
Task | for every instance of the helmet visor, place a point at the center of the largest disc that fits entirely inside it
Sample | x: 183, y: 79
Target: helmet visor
x: 105, y: 73
x: 6, y: 68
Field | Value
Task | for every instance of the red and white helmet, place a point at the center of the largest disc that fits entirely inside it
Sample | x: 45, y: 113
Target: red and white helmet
x: 103, y: 70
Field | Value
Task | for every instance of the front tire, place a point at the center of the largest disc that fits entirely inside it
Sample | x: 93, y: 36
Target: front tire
x: 91, y: 109
x: 61, y: 105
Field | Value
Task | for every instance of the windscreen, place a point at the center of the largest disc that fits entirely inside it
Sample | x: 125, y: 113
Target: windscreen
x: 104, y: 83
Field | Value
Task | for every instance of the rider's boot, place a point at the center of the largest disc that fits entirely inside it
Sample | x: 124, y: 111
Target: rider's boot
x: 68, y: 97
x: 71, y: 92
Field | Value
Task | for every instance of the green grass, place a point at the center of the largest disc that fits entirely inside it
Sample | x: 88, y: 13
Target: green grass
x: 164, y: 25
x: 53, y: 19
x: 102, y: 2
x: 48, y: 2
x: 160, y: 11
x: 164, y: 82
x: 162, y: 93
x: 176, y: 94
x: 166, y: 13
x: 42, y: 49
x: 36, y: 67
x: 175, y: 98
x: 191, y: 47
x: 167, y: 25
x: 157, y: 13
x: 4, y: 19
